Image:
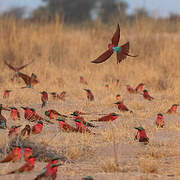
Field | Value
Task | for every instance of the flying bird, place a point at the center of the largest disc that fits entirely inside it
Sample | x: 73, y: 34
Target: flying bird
x: 121, y: 51
x: 16, y: 69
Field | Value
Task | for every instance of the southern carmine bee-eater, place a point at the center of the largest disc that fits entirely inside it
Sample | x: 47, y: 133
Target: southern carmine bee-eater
x: 118, y: 97
x: 15, y: 115
x: 121, y: 51
x: 6, y: 94
x: 37, y: 128
x: 90, y: 95
x: 130, y: 89
x: 16, y: 69
x: 28, y: 113
x: 109, y: 117
x: 77, y: 115
x: 53, y: 114
x: 81, y: 127
x: 48, y: 173
x: 141, y: 135
x: 160, y: 120
x: 64, y: 126
x: 25, y: 133
x: 13, y: 156
x: 139, y: 88
x: 146, y: 95
x: 27, y: 167
x: 173, y: 109
x: 27, y: 153
x: 2, y: 118
x: 14, y: 131
x: 44, y: 98
x: 122, y: 107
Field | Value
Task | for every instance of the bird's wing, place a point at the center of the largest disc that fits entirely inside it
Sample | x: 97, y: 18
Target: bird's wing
x: 25, y: 77
x: 124, y: 52
x: 116, y: 36
x: 11, y: 67
x: 8, y: 158
x: 22, y: 67
x: 103, y: 57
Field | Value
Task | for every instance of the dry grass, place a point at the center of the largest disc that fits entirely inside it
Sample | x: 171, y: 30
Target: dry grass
x: 61, y: 55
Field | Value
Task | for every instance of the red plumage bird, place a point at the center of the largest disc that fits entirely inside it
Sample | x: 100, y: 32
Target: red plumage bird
x: 173, y: 109
x: 27, y: 167
x: 141, y: 135
x: 53, y: 114
x: 160, y: 120
x: 147, y: 96
x: 14, y: 156
x: 6, y: 94
x: 37, y: 128
x: 28, y: 113
x: 90, y: 95
x: 121, y: 51
x: 121, y: 106
x: 109, y: 117
x: 64, y: 126
x: 130, y: 89
x: 44, y: 98
x: 27, y: 153
x: 15, y: 115
x: 14, y: 130
x: 139, y: 88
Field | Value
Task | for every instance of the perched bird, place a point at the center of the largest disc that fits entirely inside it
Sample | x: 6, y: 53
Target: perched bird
x: 27, y: 153
x: 6, y: 94
x: 90, y: 95
x: 30, y: 81
x: 77, y: 115
x: 146, y: 95
x: 26, y: 131
x: 14, y: 130
x: 87, y: 178
x: 44, y: 98
x: 28, y: 166
x: 141, y: 135
x: 16, y: 69
x: 2, y: 118
x: 48, y: 173
x: 64, y: 126
x: 122, y: 107
x: 28, y: 113
x: 82, y: 81
x: 13, y: 156
x: 81, y: 127
x: 130, y: 89
x: 160, y: 120
x: 121, y: 51
x: 109, y: 117
x: 53, y: 114
x: 139, y: 88
x: 37, y: 128
x: 15, y: 115
x: 118, y: 97
x: 173, y: 109
x: 62, y: 95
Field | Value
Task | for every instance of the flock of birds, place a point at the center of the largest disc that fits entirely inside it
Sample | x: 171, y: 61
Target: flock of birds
x: 81, y: 126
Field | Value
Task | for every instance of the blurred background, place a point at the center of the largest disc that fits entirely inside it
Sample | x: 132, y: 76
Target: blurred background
x: 78, y: 11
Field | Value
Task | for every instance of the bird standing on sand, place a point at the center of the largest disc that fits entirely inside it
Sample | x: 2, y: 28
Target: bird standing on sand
x: 15, y: 115
x: 13, y: 156
x: 14, y: 131
x: 27, y: 153
x: 6, y: 94
x: 173, y: 109
x: 160, y: 120
x: 121, y: 51
x: 27, y: 167
x: 109, y: 117
x: 90, y: 95
x: 141, y: 135
x: 64, y: 126
x: 53, y: 114
x: 44, y: 98
x: 147, y: 96
x: 122, y: 107
x: 37, y: 128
